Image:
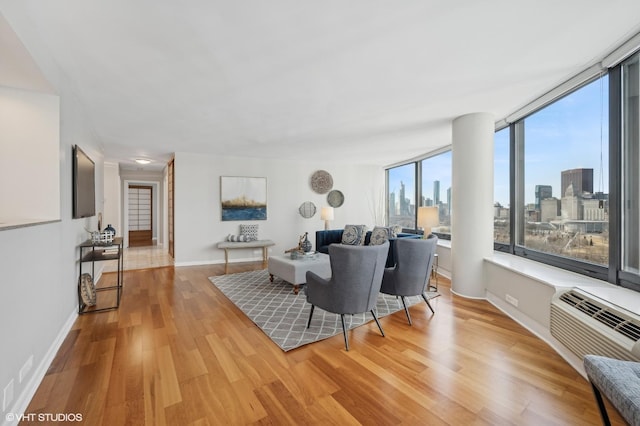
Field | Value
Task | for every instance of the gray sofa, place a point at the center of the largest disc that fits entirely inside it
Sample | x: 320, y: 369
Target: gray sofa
x: 334, y: 236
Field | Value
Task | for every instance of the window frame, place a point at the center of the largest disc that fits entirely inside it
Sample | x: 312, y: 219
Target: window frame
x: 417, y: 162
x: 419, y: 190
x: 497, y: 246
x: 619, y: 275
x: 517, y: 156
x: 416, y: 175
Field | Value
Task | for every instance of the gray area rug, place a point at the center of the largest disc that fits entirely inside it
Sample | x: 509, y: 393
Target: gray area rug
x: 283, y: 316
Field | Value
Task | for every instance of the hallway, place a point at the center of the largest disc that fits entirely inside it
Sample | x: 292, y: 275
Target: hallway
x: 142, y: 258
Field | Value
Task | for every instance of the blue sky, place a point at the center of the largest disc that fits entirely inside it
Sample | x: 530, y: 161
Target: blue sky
x: 568, y: 134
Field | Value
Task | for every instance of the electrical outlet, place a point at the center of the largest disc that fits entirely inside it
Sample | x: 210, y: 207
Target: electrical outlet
x: 511, y: 300
x: 25, y: 369
x: 7, y: 396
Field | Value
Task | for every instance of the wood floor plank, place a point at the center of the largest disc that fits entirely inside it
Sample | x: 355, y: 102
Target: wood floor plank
x: 326, y: 410
x: 169, y: 383
x: 178, y: 352
x: 225, y: 358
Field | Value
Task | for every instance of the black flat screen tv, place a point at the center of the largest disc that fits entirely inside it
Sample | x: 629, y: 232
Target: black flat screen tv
x: 84, y: 184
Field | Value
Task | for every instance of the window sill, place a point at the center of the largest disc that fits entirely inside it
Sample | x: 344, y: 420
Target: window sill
x: 549, y: 275
x: 6, y: 224
x: 444, y: 243
x: 559, y: 279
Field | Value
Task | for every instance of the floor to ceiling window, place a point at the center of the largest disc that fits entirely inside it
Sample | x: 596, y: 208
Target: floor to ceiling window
x: 423, y: 183
x: 435, y: 190
x: 566, y: 180
x: 564, y: 209
x: 501, y: 187
x: 401, y: 190
x: 630, y: 188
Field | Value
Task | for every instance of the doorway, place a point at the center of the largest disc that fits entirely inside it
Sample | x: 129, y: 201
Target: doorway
x: 140, y: 201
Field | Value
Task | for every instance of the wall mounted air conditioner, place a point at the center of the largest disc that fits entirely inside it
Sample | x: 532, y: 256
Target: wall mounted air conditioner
x: 587, y: 324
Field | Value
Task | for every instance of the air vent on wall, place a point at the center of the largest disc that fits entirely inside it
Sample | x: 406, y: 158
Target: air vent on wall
x: 622, y: 325
x: 587, y: 325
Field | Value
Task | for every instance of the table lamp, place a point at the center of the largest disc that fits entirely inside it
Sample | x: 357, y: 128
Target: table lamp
x: 428, y: 218
x: 326, y: 214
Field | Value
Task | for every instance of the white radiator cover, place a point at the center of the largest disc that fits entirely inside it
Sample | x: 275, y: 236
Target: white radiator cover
x: 588, y: 324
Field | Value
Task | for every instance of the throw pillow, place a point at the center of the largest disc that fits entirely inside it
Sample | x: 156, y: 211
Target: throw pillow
x: 249, y: 231
x: 236, y: 238
x: 354, y: 235
x: 379, y: 235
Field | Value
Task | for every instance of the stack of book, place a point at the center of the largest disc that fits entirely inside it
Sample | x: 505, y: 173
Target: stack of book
x: 110, y: 251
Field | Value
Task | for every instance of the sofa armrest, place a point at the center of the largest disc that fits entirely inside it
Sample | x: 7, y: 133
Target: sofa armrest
x: 325, y: 238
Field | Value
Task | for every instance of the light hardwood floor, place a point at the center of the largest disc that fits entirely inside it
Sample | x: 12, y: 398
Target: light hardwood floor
x: 178, y: 352
x: 141, y: 258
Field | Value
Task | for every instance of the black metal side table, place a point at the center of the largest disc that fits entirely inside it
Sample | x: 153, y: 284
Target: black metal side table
x: 434, y: 273
x: 91, y: 252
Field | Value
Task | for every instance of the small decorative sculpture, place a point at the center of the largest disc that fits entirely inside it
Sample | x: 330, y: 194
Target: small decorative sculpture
x: 304, y: 245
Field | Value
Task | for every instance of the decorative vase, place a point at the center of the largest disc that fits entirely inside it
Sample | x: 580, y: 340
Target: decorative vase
x: 111, y: 229
x: 306, y: 244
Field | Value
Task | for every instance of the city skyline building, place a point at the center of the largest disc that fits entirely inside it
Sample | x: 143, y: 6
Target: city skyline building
x: 550, y: 209
x: 392, y: 204
x: 581, y: 179
x: 542, y: 192
x: 405, y: 203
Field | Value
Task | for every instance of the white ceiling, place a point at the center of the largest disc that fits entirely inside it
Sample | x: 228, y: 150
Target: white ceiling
x: 372, y: 81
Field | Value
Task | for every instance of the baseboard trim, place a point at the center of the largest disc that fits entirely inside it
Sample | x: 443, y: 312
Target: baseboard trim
x: 22, y: 402
x: 539, y: 330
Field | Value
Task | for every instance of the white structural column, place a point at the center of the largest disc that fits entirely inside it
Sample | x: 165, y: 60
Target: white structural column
x: 472, y: 202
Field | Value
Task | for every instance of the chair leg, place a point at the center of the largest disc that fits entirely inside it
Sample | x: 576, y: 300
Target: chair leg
x: 406, y: 311
x: 344, y: 331
x: 426, y: 299
x: 601, y: 406
x: 377, y: 322
x: 310, y: 315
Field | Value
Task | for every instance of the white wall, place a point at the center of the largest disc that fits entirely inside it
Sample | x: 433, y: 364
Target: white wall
x: 29, y: 166
x: 534, y: 296
x: 38, y: 288
x: 38, y: 295
x: 444, y: 258
x: 112, y: 200
x: 198, y: 224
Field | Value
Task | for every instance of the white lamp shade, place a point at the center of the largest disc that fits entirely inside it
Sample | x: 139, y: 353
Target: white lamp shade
x: 428, y: 218
x: 326, y: 213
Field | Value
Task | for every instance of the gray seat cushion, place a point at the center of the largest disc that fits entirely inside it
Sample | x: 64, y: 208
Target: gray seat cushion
x: 619, y: 381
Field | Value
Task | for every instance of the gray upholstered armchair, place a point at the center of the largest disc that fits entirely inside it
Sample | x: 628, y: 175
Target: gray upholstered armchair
x: 356, y: 275
x: 410, y: 276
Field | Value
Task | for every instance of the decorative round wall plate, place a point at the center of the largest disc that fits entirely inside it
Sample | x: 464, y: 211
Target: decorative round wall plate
x: 87, y: 290
x: 307, y: 209
x: 335, y: 198
x: 321, y: 182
